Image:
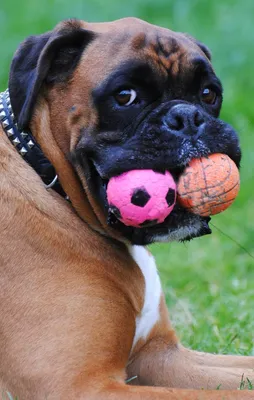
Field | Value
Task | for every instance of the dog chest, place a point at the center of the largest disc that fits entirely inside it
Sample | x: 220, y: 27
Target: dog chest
x: 150, y: 312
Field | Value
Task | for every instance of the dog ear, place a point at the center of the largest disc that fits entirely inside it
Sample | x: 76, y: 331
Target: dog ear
x: 202, y: 46
x: 205, y: 49
x: 47, y: 58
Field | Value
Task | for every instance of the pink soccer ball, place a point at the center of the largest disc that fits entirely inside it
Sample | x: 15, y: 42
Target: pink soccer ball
x: 141, y: 198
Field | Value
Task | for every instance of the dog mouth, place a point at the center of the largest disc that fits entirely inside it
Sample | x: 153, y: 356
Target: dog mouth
x: 179, y: 225
x: 153, y: 147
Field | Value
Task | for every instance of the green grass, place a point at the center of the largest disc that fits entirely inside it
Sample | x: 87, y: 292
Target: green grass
x: 246, y: 384
x: 208, y: 282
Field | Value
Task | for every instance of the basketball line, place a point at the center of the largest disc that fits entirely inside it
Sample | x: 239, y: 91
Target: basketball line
x: 220, y: 183
x: 211, y: 196
x: 210, y: 206
x: 204, y: 175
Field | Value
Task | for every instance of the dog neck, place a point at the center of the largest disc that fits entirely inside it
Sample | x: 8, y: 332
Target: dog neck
x: 27, y: 147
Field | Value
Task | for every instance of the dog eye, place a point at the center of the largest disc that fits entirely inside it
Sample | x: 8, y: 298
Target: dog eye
x: 209, y: 96
x: 126, y: 97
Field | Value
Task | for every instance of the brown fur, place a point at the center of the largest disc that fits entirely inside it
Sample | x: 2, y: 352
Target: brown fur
x: 69, y: 291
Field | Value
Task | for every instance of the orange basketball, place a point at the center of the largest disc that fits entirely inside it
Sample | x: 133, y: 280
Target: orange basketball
x: 209, y: 185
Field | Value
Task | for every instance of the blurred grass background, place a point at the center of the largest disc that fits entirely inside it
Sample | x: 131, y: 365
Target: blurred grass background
x: 208, y: 282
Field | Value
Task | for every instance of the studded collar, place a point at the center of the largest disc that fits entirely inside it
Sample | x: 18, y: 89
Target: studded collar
x: 27, y: 147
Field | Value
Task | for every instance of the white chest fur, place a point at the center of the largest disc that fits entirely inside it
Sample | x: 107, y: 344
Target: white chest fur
x: 150, y: 312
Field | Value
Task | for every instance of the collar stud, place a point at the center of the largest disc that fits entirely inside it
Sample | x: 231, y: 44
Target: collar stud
x: 27, y: 147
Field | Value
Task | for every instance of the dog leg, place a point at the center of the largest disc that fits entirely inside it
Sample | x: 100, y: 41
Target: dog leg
x: 159, y: 363
x: 159, y: 360
x: 124, y: 392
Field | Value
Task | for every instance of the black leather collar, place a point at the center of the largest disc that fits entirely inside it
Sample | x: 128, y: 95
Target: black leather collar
x: 27, y: 147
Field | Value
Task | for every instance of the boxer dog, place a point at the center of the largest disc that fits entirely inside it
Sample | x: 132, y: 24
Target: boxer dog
x: 83, y: 314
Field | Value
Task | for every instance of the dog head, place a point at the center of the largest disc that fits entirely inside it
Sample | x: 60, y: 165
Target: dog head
x: 106, y: 98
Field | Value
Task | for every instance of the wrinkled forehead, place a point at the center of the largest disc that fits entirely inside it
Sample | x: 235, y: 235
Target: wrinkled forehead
x: 133, y: 39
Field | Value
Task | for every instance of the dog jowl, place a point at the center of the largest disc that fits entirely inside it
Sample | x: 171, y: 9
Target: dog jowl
x: 139, y: 99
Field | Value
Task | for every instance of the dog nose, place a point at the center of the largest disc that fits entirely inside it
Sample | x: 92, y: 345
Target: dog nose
x: 184, y: 120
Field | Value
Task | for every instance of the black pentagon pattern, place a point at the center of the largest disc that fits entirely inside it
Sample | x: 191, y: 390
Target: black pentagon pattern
x: 148, y: 222
x: 170, y: 198
x: 140, y: 197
